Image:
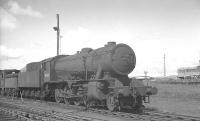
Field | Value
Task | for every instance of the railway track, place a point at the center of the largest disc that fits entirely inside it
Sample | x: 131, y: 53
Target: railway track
x: 6, y: 116
x: 73, y: 113
x: 147, y: 115
x: 31, y: 111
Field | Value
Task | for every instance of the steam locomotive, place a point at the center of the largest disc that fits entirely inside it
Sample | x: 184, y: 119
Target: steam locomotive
x: 90, y: 77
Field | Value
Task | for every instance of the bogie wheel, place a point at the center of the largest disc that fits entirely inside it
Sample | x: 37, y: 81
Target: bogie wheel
x: 111, y: 102
x: 58, y: 98
x: 14, y: 94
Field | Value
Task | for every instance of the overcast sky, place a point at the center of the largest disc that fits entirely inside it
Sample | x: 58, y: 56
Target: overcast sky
x: 150, y: 27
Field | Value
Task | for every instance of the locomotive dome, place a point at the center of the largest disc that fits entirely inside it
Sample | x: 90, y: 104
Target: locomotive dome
x: 123, y: 59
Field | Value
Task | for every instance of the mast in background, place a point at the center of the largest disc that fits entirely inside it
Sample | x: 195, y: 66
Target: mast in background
x: 57, y: 28
x: 164, y: 66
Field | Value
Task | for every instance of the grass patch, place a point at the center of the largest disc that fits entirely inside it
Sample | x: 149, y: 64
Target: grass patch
x: 183, y: 91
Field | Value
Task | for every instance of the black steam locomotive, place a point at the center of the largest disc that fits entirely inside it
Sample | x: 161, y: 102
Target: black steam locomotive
x: 90, y: 77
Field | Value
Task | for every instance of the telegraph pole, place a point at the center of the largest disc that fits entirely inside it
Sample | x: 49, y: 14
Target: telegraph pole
x: 164, y: 66
x: 57, y: 28
x: 145, y: 75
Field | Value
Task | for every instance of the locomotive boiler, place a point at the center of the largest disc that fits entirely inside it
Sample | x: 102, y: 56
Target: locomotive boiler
x: 94, y: 64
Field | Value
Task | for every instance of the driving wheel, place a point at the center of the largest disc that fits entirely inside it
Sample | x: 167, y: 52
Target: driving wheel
x: 57, y: 96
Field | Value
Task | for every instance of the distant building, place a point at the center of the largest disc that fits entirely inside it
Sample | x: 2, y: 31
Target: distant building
x: 189, y: 72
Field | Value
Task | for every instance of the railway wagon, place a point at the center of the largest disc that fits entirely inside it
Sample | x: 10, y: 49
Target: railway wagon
x: 9, y: 82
